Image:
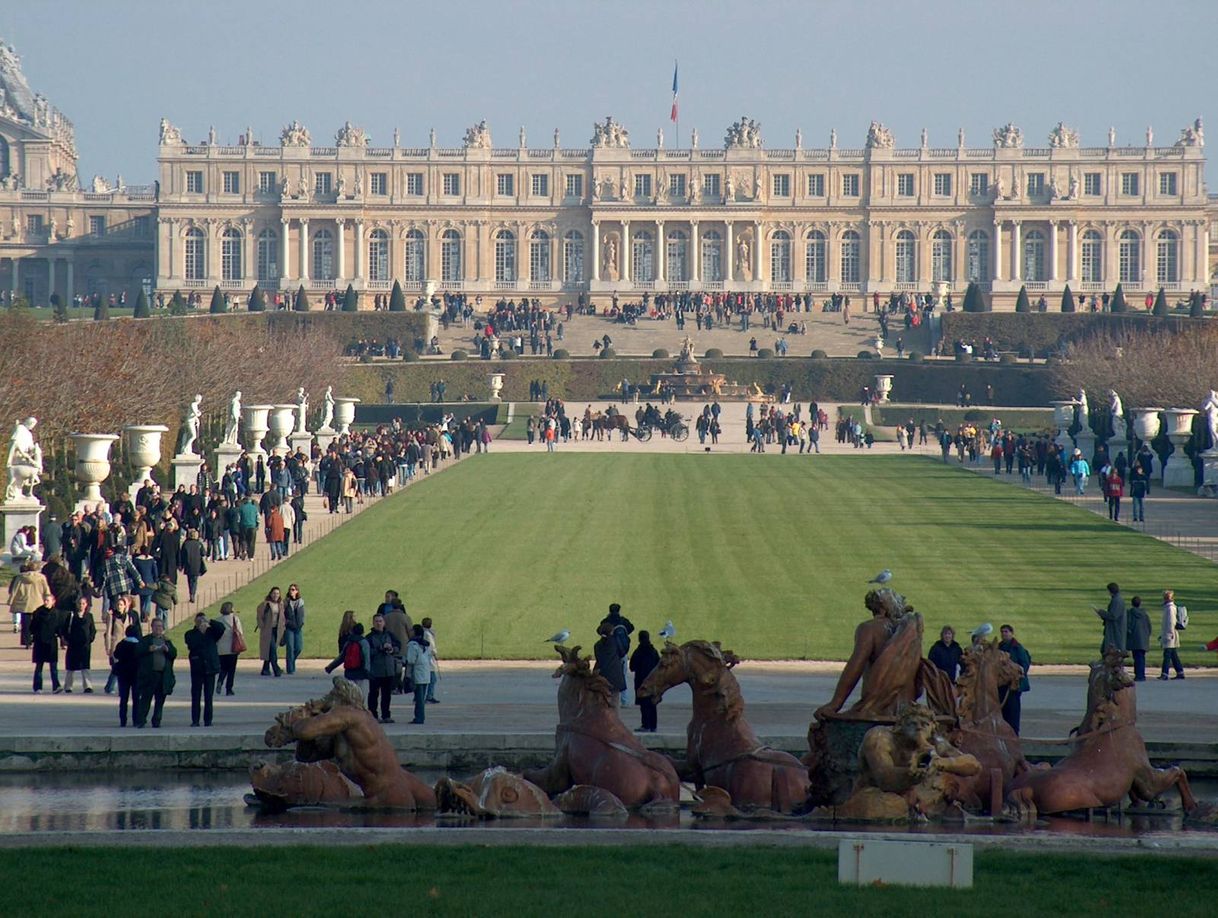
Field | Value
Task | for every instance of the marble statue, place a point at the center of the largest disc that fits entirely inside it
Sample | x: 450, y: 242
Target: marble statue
x: 359, y: 182
x: 610, y: 259
x: 24, y: 461
x: 431, y: 138
x: 397, y: 137
x: 661, y: 188
x: 234, y: 420
x: 61, y: 181
x: 925, y: 138
x: 18, y: 97
x: 295, y: 135
x: 1074, y: 186
x: 1150, y: 136
x: 1062, y: 137
x: 302, y: 411
x: 70, y: 226
x: 879, y: 137
x: 556, y: 143
x: 477, y: 137
x: 832, y: 138
x: 1210, y: 409
x: 693, y: 139
x: 1000, y: 188
x: 522, y: 138
x: 659, y: 138
x: 327, y: 409
x: 53, y: 229
x: 342, y: 186
x: 1116, y: 414
x: 284, y: 188
x: 1054, y: 190
x: 1008, y: 137
x: 1084, y: 410
x: 170, y: 135
x: 610, y: 134
x: 960, y: 137
x: 799, y: 139
x: 1192, y: 136
x: 743, y: 134
x: 212, y: 140
x: 190, y: 427
x: 350, y: 136
x: 694, y: 192
x: 1111, y: 137
x: 744, y: 264
x: 729, y: 187
x: 627, y: 187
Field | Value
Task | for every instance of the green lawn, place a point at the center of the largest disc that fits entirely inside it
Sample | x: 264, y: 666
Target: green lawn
x: 768, y: 554
x: 527, y: 881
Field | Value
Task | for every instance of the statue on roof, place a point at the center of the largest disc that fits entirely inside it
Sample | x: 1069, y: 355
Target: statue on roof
x: 1008, y: 137
x: 350, y: 136
x: 743, y: 134
x: 879, y: 137
x: 170, y: 135
x: 1192, y: 136
x: 478, y: 137
x: 1063, y: 138
x: 18, y: 96
x: 295, y: 135
x: 610, y: 134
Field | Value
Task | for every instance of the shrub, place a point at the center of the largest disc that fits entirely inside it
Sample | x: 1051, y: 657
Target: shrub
x: 1007, y: 359
x: 765, y: 353
x: 1022, y: 304
x: 350, y: 300
x: 660, y: 353
x: 397, y: 299
x: 964, y: 358
x: 301, y: 303
x: 713, y: 353
x: 459, y: 354
x: 916, y: 357
x: 1117, y: 304
x: 974, y: 414
x: 818, y: 354
x: 561, y: 354
x: 1067, y: 300
x: 1025, y: 351
x: 101, y: 311
x: 409, y: 356
x: 217, y: 302
x: 177, y: 305
x: 1160, y: 307
x: 973, y: 299
x: 866, y: 355
x: 1196, y: 309
x: 257, y: 300
x: 142, y: 309
x: 507, y: 353
x: 607, y: 353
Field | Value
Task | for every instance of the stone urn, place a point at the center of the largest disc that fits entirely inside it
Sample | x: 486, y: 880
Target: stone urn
x: 144, y: 450
x: 92, y: 463
x: 256, y: 418
x: 883, y: 386
x: 282, y: 421
x: 1146, y: 423
x: 496, y: 386
x: 344, y: 413
x: 1178, y: 472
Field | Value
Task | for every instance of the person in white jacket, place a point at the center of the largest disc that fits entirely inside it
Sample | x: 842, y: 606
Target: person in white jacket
x: 430, y: 634
x: 1169, y: 636
x: 418, y: 663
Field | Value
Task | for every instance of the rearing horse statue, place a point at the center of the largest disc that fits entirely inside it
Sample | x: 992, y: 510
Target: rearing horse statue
x: 722, y: 749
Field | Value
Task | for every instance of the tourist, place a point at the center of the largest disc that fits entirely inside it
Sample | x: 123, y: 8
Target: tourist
x: 945, y: 653
x: 192, y: 563
x: 397, y: 623
x: 275, y: 532
x: 293, y: 627
x: 418, y: 666
x: 608, y: 654
x: 154, y: 676
x: 118, y: 577
x: 1114, y: 619
x: 1081, y: 471
x: 230, y: 648
x: 150, y: 573
x: 164, y: 598
x: 248, y: 513
x: 433, y: 659
x: 203, y: 652
x: 1011, y: 703
x: 384, y: 651
x: 1137, y: 638
x: 353, y: 655
x: 122, y: 617
x: 46, y: 633
x: 1139, y: 488
x: 1114, y: 490
x: 621, y: 628
x: 1169, y: 636
x: 644, y: 659
x: 344, y: 628
x: 270, y: 628
x: 79, y: 634
x: 26, y: 592
x: 350, y: 490
x: 125, y: 664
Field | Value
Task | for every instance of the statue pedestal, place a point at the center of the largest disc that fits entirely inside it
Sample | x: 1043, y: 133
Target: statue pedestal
x: 226, y: 454
x: 19, y: 513
x: 301, y: 440
x: 1209, y: 478
x: 325, y: 435
x: 833, y: 759
x: 185, y: 470
x: 1084, y: 440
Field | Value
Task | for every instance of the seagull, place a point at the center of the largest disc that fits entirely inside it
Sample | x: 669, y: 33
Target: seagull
x: 882, y: 577
x: 669, y: 631
x: 982, y: 631
x: 559, y: 638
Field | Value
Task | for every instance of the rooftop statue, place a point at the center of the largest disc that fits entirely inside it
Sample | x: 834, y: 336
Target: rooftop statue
x: 478, y: 137
x: 170, y: 135
x: 350, y: 136
x: 18, y: 96
x: 1008, y: 136
x: 24, y: 461
x: 743, y: 134
x: 610, y: 135
x: 295, y: 135
x: 1062, y: 137
x: 879, y: 137
x: 1192, y: 136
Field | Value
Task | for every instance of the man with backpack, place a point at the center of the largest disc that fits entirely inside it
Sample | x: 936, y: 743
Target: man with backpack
x: 620, y: 629
x: 354, y: 658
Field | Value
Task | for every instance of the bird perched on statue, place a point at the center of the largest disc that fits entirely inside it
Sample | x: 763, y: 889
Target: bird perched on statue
x: 882, y: 577
x: 559, y: 638
x: 669, y: 631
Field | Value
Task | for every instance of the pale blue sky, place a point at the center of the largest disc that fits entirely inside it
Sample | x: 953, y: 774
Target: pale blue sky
x: 116, y: 67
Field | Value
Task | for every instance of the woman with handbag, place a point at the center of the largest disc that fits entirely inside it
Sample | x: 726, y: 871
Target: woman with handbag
x: 270, y: 628
x: 230, y: 646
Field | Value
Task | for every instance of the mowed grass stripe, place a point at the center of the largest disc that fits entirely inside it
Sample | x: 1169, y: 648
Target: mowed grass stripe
x: 768, y: 554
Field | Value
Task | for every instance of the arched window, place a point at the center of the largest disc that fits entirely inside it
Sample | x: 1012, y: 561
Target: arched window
x: 851, y: 257
x: 1130, y: 254
x: 712, y: 256
x: 979, y: 256
x: 539, y: 256
x: 1034, y: 256
x: 196, y: 254
x: 1093, y: 257
x: 450, y: 256
x: 505, y: 256
x: 268, y: 255
x: 573, y: 257
x: 676, y: 256
x: 780, y: 257
x: 907, y: 258
x: 941, y: 245
x: 1168, y: 270
x: 416, y: 253
x: 815, y: 262
x: 643, y: 257
x: 323, y: 255
x: 378, y: 255
x: 230, y: 254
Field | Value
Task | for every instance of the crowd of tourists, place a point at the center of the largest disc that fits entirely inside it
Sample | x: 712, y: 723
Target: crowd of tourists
x: 786, y: 427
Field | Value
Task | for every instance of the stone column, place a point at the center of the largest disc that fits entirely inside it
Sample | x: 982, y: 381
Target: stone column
x: 71, y: 285
x: 729, y: 256
x: 695, y: 254
x: 1052, y: 250
x: 1016, y: 268
x: 285, y: 226
x: 757, y: 250
x: 626, y: 253
x: 51, y: 263
x: 359, y: 252
x: 304, y: 252
x: 340, y: 251
x: 17, y: 276
x: 596, y: 252
x: 1072, y: 253
x: 997, y: 250
x: 1201, y: 265
x: 661, y: 252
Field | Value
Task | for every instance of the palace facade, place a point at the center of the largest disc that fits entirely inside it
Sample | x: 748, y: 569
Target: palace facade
x: 606, y: 217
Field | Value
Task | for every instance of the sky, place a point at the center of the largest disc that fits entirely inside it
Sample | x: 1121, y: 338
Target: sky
x: 115, y: 67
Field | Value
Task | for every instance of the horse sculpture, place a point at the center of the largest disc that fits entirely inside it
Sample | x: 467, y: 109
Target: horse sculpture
x: 594, y: 747
x: 721, y: 748
x: 1109, y: 759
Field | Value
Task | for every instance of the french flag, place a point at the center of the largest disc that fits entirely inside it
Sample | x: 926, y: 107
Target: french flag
x: 673, y: 115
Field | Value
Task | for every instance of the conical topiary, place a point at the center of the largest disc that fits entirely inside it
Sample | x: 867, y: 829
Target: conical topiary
x: 301, y: 303
x: 1117, y: 303
x: 257, y: 300
x: 1196, y: 309
x: 101, y: 311
x: 177, y: 305
x: 397, y: 299
x: 973, y: 300
x: 142, y: 310
x: 1160, y: 307
x: 1022, y: 303
x: 217, y: 302
x: 1067, y: 300
x: 350, y: 300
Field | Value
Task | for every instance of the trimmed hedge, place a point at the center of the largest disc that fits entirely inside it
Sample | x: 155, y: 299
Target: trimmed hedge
x: 713, y: 353
x: 818, y: 354
x: 562, y: 354
x: 764, y: 353
x: 458, y: 354
x: 1045, y: 332
x: 865, y: 355
x: 660, y: 353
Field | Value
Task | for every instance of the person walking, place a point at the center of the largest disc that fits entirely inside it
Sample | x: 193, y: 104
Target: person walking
x: 1012, y: 701
x: 608, y: 654
x: 230, y: 648
x: 1139, y: 488
x: 79, y: 634
x: 192, y: 562
x: 418, y: 665
x: 644, y: 659
x: 1169, y: 636
x: 122, y: 616
x: 946, y: 654
x: 384, y: 651
x: 270, y: 630
x: 1081, y: 471
x: 354, y: 656
x: 164, y: 598
x: 1114, y: 619
x: 293, y: 627
x: 203, y: 652
x: 26, y: 592
x: 1137, y: 637
x: 275, y: 533
x: 1114, y: 490
x: 46, y: 634
x: 433, y: 659
x: 154, y: 680
x: 126, y: 664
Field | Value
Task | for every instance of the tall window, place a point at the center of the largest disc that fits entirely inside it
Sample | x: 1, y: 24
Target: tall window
x: 1091, y: 183
x: 851, y: 257
x: 1168, y: 270
x: 194, y: 182
x: 416, y: 253
x: 643, y: 256
x: 1129, y: 183
x: 711, y: 185
x: 267, y: 183
x: 232, y: 182
x: 414, y: 183
x: 676, y: 186
x: 781, y: 185
x: 941, y: 256
x: 323, y: 255
x: 943, y: 184
x: 97, y: 226
x: 505, y: 184
x: 379, y: 183
x: 642, y: 186
x: 451, y: 183
x: 323, y: 183
x: 230, y: 254
x: 539, y: 255
x: 816, y: 184
x: 575, y: 185
x: 815, y: 263
x: 1093, y: 257
x: 712, y: 256
x: 378, y: 255
x: 1130, y: 257
x: 505, y: 256
x: 573, y: 257
x: 905, y: 185
x: 979, y: 256
x: 1167, y: 183
x: 450, y: 256
x: 979, y: 183
x: 1036, y: 184
x: 780, y: 257
x: 268, y: 255
x: 850, y: 186
x: 539, y: 185
x: 1034, y: 256
x: 196, y: 254
x: 676, y: 256
x: 907, y: 257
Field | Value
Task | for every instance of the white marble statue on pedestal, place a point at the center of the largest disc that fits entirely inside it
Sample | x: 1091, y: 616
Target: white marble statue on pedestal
x: 302, y: 411
x: 1084, y: 410
x: 327, y: 409
x: 1210, y: 407
x: 190, y: 427
x: 1116, y: 413
x: 24, y: 462
x: 234, y: 419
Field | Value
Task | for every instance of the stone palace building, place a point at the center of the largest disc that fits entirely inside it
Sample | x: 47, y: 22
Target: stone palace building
x: 554, y: 221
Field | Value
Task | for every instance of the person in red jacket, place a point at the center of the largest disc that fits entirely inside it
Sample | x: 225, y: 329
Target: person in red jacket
x: 1114, y: 490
